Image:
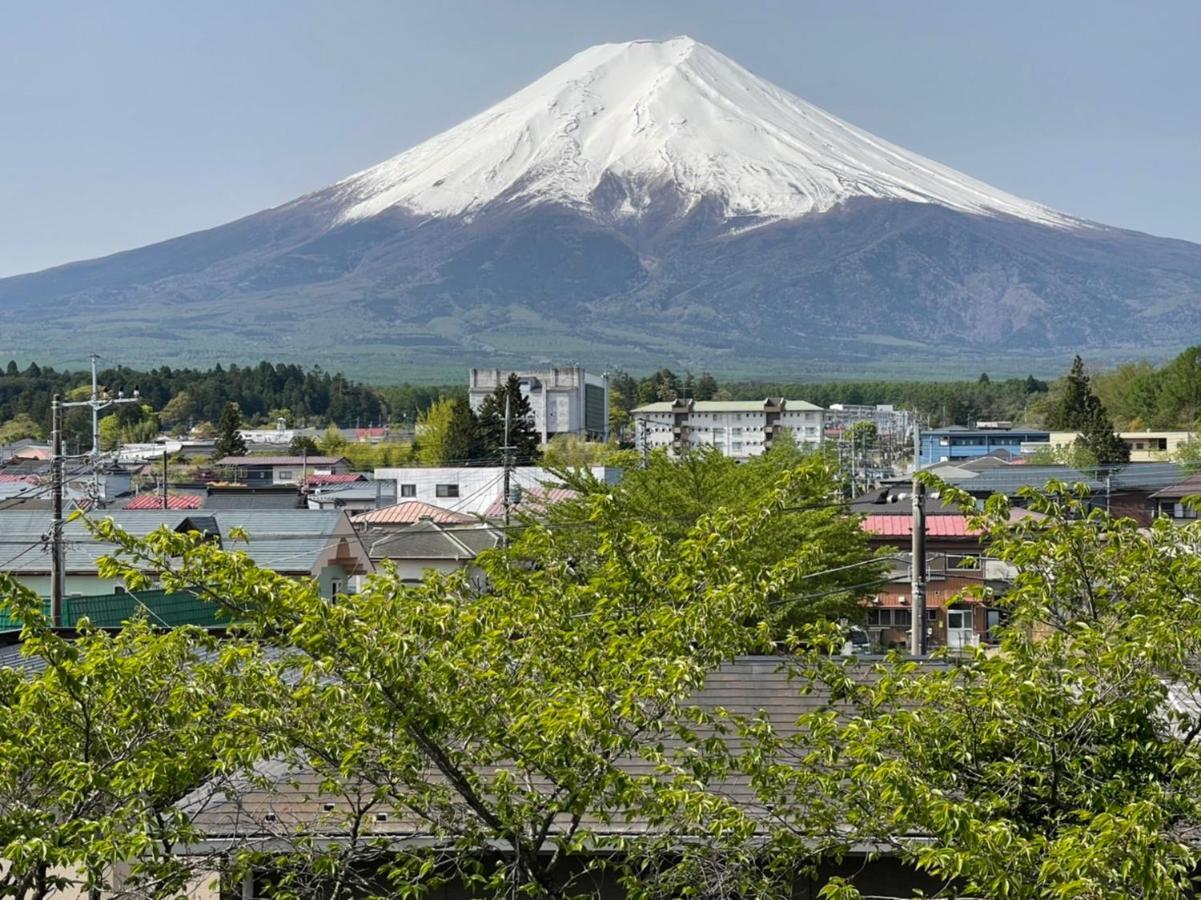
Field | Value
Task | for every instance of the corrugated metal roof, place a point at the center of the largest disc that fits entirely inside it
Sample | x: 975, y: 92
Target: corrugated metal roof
x: 411, y: 511
x: 902, y: 526
x: 1131, y: 476
x: 155, y: 501
x: 335, y: 478
x: 428, y: 540
x: 287, y: 541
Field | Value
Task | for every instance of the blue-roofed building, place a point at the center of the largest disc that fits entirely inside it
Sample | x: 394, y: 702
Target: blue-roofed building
x: 959, y: 443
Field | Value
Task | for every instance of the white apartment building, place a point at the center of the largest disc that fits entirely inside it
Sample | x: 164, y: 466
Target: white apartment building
x: 738, y: 428
x: 471, y: 489
x: 564, y: 401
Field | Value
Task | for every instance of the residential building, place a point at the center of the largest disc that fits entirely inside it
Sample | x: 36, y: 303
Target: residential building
x: 564, y: 401
x: 740, y: 429
x: 1170, y: 501
x: 472, y: 489
x: 958, y: 442
x: 259, y: 470
x: 955, y: 561
x: 427, y: 545
x: 1145, y: 446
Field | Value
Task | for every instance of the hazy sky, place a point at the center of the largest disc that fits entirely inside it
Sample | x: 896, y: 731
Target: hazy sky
x: 124, y: 123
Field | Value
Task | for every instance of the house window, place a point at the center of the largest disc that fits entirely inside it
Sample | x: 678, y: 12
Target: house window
x: 446, y: 490
x: 283, y: 474
x: 408, y: 490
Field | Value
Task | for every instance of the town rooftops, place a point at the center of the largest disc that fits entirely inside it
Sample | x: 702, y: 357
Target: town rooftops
x: 431, y: 540
x: 280, y: 461
x: 533, y: 500
x: 287, y: 541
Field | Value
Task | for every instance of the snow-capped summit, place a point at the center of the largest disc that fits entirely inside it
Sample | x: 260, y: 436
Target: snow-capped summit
x: 641, y: 116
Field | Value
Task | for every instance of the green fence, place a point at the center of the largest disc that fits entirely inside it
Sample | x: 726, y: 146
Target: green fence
x: 111, y: 610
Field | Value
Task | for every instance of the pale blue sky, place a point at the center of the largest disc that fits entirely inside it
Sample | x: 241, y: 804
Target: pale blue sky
x: 124, y: 123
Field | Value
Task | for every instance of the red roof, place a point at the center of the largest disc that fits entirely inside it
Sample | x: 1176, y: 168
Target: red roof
x: 155, y: 501
x: 344, y: 478
x: 902, y: 526
x: 409, y: 512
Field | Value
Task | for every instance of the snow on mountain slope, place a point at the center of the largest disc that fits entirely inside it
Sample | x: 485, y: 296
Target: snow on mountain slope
x: 655, y: 114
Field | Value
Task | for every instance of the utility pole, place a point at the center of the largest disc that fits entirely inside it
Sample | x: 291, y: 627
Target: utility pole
x: 917, y: 632
x: 56, y: 524
x: 97, y: 402
x: 507, y: 462
x: 164, y: 485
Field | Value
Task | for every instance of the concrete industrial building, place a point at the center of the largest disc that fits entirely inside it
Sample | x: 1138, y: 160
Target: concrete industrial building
x: 564, y: 401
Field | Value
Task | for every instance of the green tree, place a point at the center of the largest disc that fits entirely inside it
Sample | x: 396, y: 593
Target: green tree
x: 1075, y: 402
x: 18, y: 427
x: 464, y: 443
x: 433, y: 428
x: 99, y: 744
x: 706, y: 387
x: 571, y: 452
x: 179, y: 410
x: 229, y: 440
x: 669, y: 497
x: 301, y: 444
x: 1180, y: 390
x: 523, y: 435
x: 332, y: 442
x: 498, y: 719
x: 1060, y: 765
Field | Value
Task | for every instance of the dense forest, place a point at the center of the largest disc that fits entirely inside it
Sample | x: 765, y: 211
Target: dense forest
x: 179, y: 399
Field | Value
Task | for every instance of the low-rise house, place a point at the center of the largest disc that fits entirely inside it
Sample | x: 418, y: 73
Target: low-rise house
x: 955, y: 561
x: 245, y: 496
x: 296, y: 543
x: 1170, y: 501
x: 472, y: 489
x: 260, y: 470
x: 739, y: 429
x: 426, y: 544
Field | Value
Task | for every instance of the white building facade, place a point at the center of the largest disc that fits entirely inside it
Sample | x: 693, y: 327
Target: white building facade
x: 564, y: 401
x: 470, y: 489
x: 740, y: 429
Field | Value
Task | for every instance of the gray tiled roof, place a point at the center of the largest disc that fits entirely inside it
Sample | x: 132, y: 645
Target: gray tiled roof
x: 746, y: 686
x: 283, y: 540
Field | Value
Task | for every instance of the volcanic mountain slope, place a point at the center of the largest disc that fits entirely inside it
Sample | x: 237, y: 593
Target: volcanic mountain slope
x: 643, y: 204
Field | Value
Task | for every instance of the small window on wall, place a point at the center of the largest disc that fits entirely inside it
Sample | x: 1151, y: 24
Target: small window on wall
x: 408, y: 490
x: 446, y: 490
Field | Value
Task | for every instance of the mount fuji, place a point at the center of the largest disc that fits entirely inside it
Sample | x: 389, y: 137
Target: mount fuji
x: 644, y: 204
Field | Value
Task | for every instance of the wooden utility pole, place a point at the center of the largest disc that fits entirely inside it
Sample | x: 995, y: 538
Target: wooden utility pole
x: 507, y: 462
x: 917, y: 631
x: 56, y: 525
x: 164, y: 485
